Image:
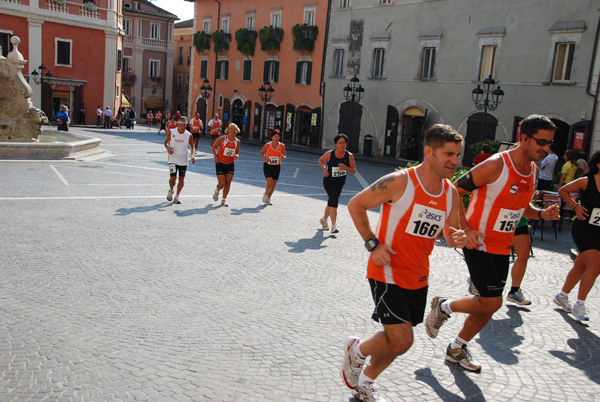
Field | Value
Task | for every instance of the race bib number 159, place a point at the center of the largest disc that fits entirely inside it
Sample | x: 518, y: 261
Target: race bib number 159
x: 507, y: 220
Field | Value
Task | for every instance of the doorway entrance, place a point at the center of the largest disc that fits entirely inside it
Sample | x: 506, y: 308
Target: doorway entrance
x: 303, y: 116
x: 413, y: 133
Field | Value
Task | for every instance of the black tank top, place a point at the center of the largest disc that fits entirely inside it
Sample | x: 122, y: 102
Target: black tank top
x: 337, y: 174
x: 590, y: 199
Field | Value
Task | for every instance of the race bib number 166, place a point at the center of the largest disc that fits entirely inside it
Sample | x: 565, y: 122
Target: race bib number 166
x: 425, y: 221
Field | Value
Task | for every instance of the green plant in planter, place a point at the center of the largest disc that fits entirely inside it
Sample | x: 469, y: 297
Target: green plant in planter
x: 201, y: 41
x: 304, y: 37
x: 246, y: 40
x: 221, y: 40
x: 270, y: 38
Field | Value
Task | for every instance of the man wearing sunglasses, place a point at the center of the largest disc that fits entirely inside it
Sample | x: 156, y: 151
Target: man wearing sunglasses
x: 502, y: 189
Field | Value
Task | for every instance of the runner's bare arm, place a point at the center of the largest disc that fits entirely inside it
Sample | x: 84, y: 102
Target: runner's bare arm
x: 485, y: 172
x: 215, y: 144
x: 454, y: 235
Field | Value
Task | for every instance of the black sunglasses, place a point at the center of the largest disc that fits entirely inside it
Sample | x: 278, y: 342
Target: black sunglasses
x: 541, y: 142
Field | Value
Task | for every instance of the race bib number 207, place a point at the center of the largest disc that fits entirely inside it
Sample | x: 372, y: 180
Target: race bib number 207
x: 425, y: 221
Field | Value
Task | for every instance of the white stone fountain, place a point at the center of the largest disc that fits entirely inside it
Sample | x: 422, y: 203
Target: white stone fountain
x: 21, y: 134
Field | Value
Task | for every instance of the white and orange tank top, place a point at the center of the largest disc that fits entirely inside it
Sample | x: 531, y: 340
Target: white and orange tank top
x: 215, y: 127
x: 227, y: 149
x: 196, y: 125
x: 410, y: 226
x: 172, y: 125
x: 496, y: 208
x: 274, y: 154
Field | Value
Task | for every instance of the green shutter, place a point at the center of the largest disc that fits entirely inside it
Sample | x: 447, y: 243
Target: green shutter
x: 298, y: 71
x: 266, y: 72
x: 276, y: 71
x: 226, y: 69
x: 203, y: 68
x: 308, y: 71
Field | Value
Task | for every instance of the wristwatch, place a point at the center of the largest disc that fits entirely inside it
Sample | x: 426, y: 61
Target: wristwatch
x: 371, y: 244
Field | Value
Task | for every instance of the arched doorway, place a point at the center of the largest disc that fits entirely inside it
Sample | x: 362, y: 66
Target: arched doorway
x: 349, y: 123
x: 477, y: 132
x: 237, y: 114
x: 413, y: 133
x: 201, y: 110
x: 303, y: 120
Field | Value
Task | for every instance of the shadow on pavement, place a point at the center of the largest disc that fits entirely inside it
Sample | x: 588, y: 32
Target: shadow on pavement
x: 197, y: 211
x: 313, y: 243
x: 254, y: 210
x: 142, y: 208
x: 470, y: 390
x: 586, y: 349
x: 499, y: 339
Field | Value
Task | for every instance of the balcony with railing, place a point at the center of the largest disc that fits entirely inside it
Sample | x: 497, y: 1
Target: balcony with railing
x: 154, y: 43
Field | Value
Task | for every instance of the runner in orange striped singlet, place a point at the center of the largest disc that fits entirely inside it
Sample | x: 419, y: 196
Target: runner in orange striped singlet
x: 502, y: 186
x: 195, y: 127
x: 273, y: 153
x: 417, y: 204
x: 226, y: 150
x: 215, y: 128
x: 149, y: 117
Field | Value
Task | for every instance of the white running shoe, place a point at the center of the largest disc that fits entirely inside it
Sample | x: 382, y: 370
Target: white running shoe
x: 265, y: 199
x: 170, y: 195
x: 518, y: 298
x: 436, y: 317
x: 224, y: 203
x: 463, y: 357
x: 323, y: 223
x: 368, y: 393
x: 579, y: 312
x: 334, y: 229
x: 176, y: 200
x: 216, y: 194
x: 352, y: 364
x: 269, y: 201
x: 562, y: 302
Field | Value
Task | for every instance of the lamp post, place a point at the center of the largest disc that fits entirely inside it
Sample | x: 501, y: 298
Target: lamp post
x: 485, y: 104
x: 205, y: 93
x: 353, y: 92
x: 265, y: 92
x: 38, y: 78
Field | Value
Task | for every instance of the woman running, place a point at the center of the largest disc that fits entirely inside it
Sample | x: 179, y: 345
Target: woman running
x: 339, y: 163
x: 273, y: 153
x: 149, y: 117
x: 226, y: 150
x: 586, y: 235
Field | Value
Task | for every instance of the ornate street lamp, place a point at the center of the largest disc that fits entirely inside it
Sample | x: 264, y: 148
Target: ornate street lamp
x: 205, y: 90
x: 38, y: 78
x: 353, y: 93
x: 486, y: 104
x: 265, y: 92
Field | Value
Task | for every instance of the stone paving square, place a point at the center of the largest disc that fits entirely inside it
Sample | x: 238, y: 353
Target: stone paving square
x: 110, y: 293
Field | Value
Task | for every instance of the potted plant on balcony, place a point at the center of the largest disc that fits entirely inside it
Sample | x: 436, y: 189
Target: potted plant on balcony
x: 201, y: 41
x: 221, y: 40
x: 89, y: 4
x: 60, y: 2
x: 304, y: 37
x: 129, y: 78
x: 270, y: 38
x: 246, y: 41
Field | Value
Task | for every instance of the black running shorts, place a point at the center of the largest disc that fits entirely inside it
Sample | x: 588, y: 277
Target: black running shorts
x: 488, y: 271
x: 174, y: 169
x: 396, y: 305
x: 224, y: 168
x: 271, y: 171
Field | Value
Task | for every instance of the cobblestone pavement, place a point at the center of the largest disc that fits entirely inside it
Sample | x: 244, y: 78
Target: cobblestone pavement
x: 109, y: 292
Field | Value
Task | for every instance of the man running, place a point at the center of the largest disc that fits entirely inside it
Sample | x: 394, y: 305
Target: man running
x: 177, y: 142
x: 417, y: 204
x: 215, y: 128
x: 502, y: 186
x: 195, y: 127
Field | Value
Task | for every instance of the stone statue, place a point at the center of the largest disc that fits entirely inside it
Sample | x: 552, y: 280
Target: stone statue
x: 19, y: 120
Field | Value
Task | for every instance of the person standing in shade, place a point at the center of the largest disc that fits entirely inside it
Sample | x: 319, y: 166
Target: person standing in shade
x: 82, y: 114
x: 586, y: 235
x: 486, y: 152
x: 63, y: 118
x: 215, y: 128
x: 177, y: 143
x: 569, y: 169
x: 273, y: 153
x: 417, y: 204
x: 503, y: 188
x: 226, y: 150
x: 547, y: 169
x: 195, y: 127
x: 98, y: 116
x: 132, y: 116
x: 107, y: 117
x: 336, y: 164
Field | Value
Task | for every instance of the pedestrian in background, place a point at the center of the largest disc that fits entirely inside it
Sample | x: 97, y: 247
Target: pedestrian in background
x: 569, y: 169
x: 335, y: 164
x: 63, y: 118
x: 486, y: 152
x: 547, y: 169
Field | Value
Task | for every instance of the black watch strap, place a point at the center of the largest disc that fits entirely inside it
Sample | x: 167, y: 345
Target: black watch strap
x: 371, y: 244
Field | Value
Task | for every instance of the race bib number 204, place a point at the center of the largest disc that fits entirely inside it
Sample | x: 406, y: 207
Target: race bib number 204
x: 425, y: 221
